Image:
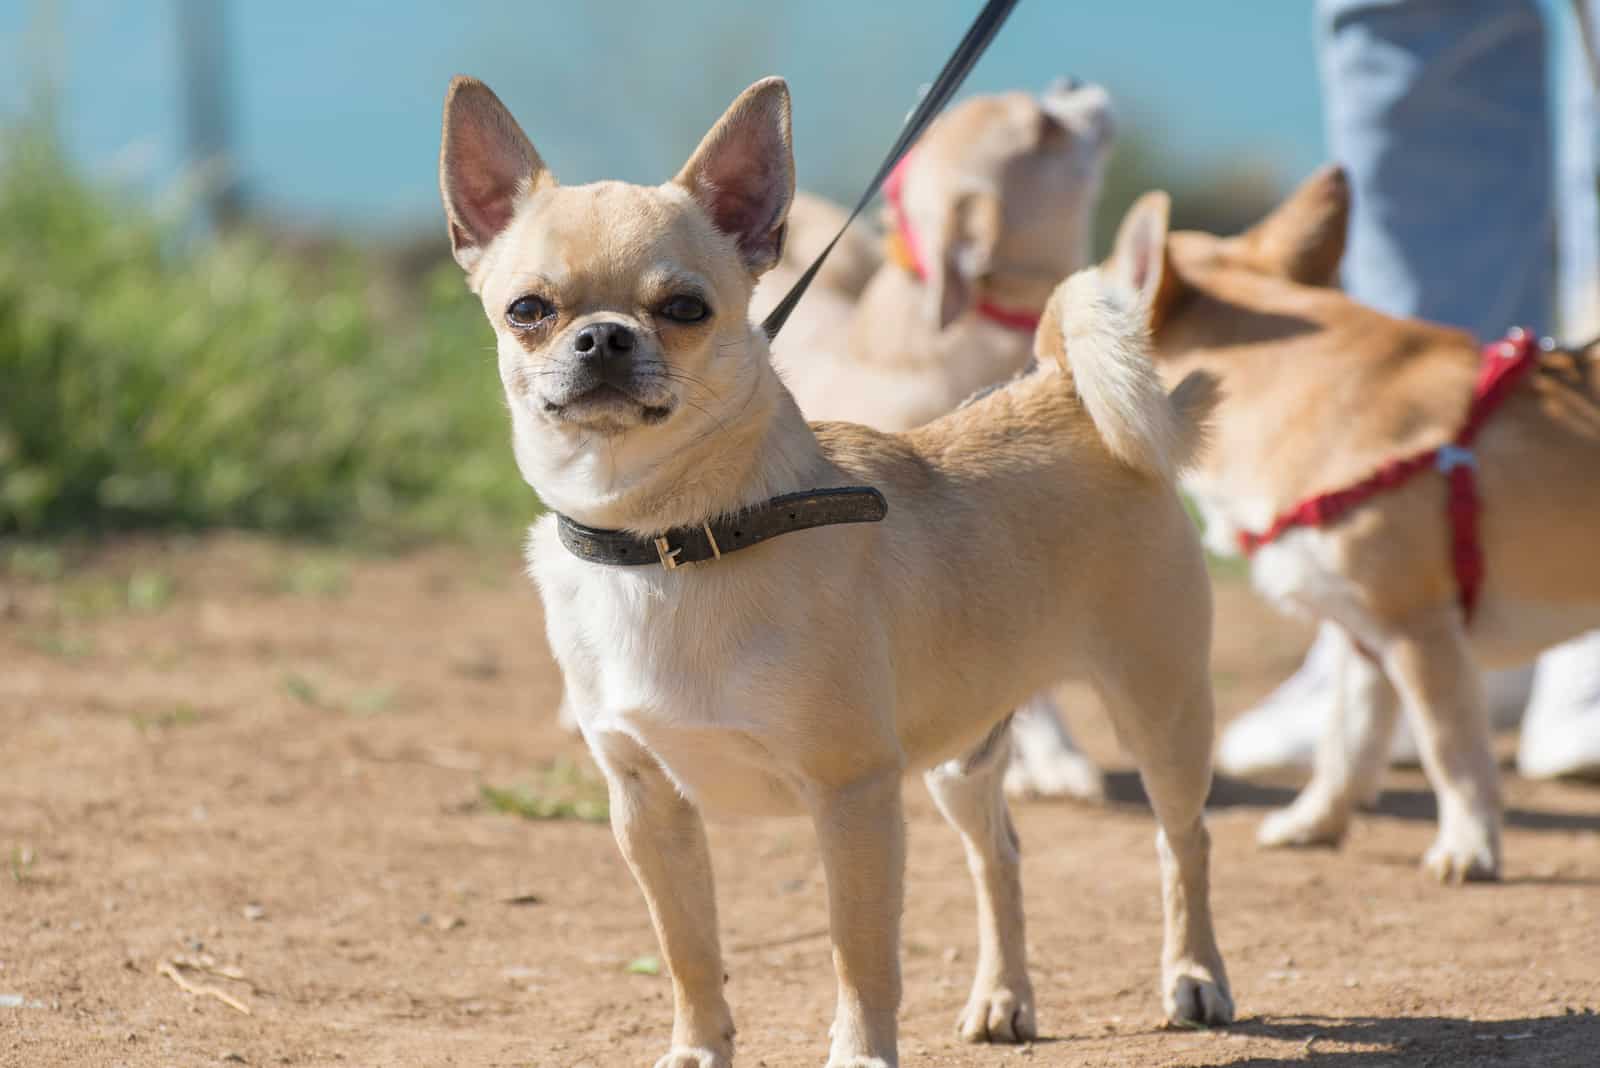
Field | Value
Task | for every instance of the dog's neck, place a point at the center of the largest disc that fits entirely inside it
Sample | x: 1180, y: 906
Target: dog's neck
x: 894, y: 304
x: 760, y: 446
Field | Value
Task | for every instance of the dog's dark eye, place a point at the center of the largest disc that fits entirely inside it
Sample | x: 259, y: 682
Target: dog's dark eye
x: 529, y: 311
x: 685, y: 309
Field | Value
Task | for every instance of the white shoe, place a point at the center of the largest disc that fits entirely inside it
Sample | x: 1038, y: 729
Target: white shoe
x: 1045, y: 761
x: 1561, y: 735
x: 1280, y: 734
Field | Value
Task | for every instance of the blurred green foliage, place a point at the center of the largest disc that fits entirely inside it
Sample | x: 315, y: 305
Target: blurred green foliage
x: 152, y: 377
x: 149, y: 378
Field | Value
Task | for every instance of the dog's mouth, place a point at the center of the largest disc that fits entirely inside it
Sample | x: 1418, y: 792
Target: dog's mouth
x: 606, y: 403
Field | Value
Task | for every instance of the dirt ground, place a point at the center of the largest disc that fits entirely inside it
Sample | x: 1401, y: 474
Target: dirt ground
x: 260, y: 769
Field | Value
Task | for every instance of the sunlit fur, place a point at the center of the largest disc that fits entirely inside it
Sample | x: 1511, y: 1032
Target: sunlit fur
x: 811, y: 672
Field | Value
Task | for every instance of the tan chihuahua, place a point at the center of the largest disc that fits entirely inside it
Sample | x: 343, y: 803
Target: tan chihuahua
x: 1033, y: 535
x: 1321, y: 393
x: 992, y: 208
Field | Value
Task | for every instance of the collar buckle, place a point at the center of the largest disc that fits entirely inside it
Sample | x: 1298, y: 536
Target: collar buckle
x: 669, y: 555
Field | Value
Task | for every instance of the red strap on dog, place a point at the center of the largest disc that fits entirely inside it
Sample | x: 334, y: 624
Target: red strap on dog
x: 893, y: 188
x: 1504, y: 364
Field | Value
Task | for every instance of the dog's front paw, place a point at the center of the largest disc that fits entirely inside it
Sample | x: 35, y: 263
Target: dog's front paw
x: 1309, y: 821
x: 695, y: 1057
x: 861, y: 1062
x: 999, y: 1014
x: 1061, y: 773
x: 1193, y: 997
x: 1463, y: 854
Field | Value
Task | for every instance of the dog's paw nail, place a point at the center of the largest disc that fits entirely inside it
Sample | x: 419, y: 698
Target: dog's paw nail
x: 998, y: 1016
x: 1454, y: 865
x: 1197, y: 1002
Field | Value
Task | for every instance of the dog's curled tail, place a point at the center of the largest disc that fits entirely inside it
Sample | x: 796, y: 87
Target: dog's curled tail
x: 1105, y: 346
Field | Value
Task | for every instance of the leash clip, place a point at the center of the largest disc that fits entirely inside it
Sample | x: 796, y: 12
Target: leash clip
x: 1453, y: 456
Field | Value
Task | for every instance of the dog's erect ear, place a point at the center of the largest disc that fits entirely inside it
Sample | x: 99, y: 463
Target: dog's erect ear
x: 1303, y: 238
x: 486, y: 164
x: 962, y: 253
x: 1138, y: 269
x: 1084, y: 111
x: 743, y: 173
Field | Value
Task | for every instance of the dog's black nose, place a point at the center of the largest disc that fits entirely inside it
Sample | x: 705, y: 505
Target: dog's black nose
x: 599, y: 340
x: 1065, y: 83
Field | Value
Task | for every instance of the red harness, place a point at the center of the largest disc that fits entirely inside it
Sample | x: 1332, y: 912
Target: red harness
x: 1505, y: 363
x: 893, y: 187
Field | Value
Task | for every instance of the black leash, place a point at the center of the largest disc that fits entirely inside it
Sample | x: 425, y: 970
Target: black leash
x: 955, y: 71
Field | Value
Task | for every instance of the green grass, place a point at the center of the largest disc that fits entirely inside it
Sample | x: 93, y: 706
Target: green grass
x: 562, y: 791
x: 180, y: 715
x: 22, y: 861
x: 304, y: 690
x: 62, y: 644
x: 317, y: 575
x: 152, y: 379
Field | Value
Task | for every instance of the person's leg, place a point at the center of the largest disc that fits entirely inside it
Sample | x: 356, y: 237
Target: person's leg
x: 1437, y: 110
x: 1561, y: 733
x: 1577, y: 207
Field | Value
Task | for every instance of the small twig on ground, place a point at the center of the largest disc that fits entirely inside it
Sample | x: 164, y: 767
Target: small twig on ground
x: 209, y: 966
x: 170, y: 970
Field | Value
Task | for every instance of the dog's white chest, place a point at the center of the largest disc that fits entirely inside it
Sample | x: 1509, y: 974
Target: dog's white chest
x: 673, y: 666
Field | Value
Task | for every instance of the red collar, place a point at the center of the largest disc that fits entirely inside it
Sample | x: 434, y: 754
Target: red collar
x: 905, y: 242
x: 1504, y: 364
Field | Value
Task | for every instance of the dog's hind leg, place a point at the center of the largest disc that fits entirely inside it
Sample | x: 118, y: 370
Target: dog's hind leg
x: 1351, y: 755
x: 969, y: 793
x: 1168, y: 733
x: 663, y: 840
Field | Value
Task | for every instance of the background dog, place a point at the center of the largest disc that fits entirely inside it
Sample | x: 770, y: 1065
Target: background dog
x: 1320, y: 392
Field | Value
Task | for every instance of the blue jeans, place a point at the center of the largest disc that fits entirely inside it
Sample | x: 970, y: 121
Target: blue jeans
x: 1439, y: 111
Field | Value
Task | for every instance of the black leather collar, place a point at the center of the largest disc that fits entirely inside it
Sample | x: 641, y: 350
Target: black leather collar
x: 716, y: 538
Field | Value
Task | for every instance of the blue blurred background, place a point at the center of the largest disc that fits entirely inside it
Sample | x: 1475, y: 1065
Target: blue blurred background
x: 225, y: 295
x: 332, y: 108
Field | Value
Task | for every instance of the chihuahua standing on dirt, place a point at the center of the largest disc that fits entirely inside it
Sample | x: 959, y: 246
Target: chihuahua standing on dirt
x: 1031, y: 536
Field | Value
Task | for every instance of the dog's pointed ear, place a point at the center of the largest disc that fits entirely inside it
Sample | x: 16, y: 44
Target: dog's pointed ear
x: 742, y: 174
x: 1083, y: 111
x: 1303, y: 239
x: 1138, y: 270
x: 486, y: 165
x: 963, y: 252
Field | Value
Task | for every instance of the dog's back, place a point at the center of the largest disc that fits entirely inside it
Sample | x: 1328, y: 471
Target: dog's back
x: 1034, y: 523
